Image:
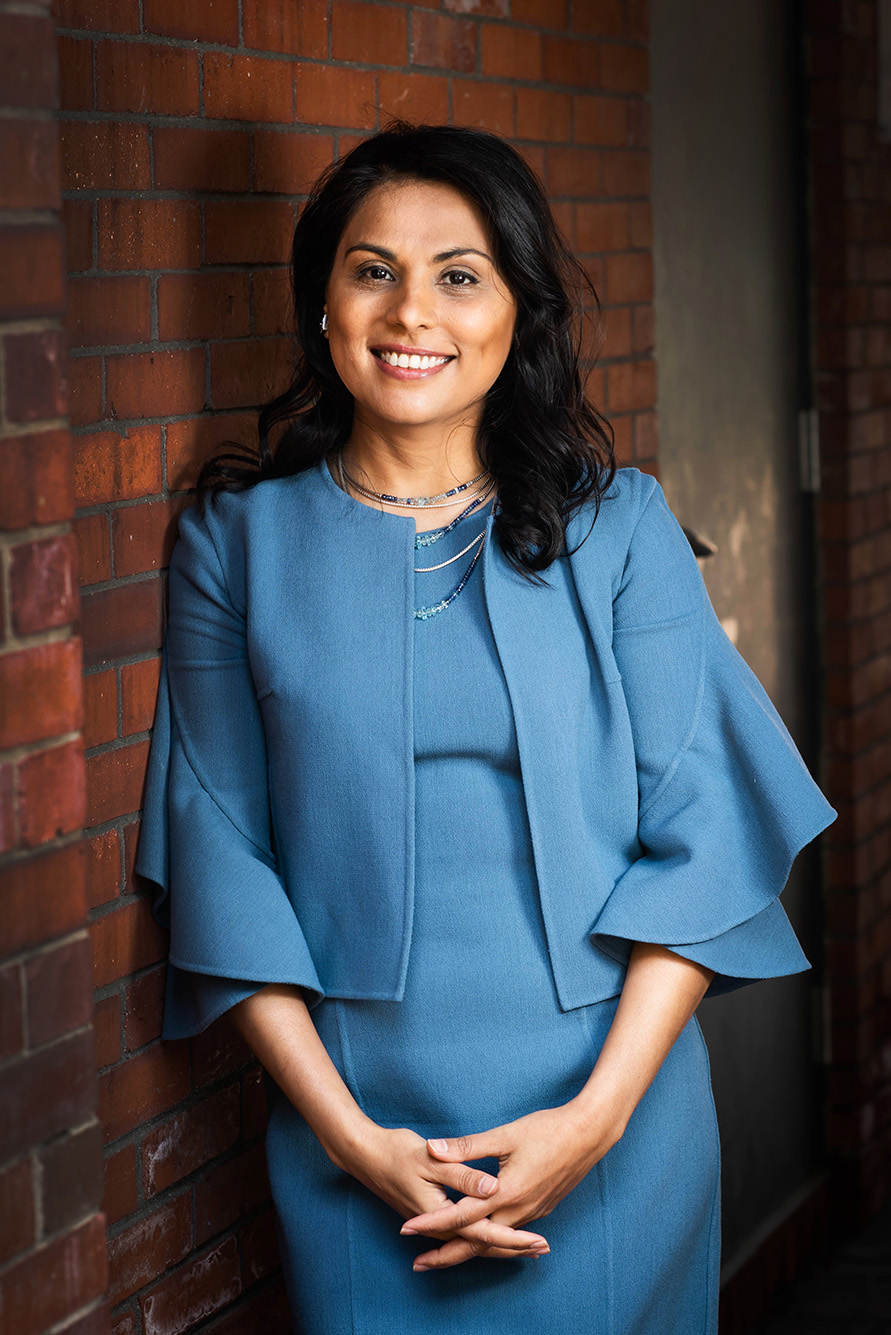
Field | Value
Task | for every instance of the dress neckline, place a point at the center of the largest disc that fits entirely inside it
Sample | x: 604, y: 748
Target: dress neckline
x: 330, y: 480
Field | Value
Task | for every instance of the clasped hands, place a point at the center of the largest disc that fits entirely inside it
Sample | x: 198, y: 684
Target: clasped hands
x: 541, y: 1157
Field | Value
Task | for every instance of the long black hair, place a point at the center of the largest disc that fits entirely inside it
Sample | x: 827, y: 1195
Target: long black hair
x: 543, y: 441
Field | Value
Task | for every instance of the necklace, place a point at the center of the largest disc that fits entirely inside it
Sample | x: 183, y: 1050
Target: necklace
x: 427, y: 539
x: 438, y: 502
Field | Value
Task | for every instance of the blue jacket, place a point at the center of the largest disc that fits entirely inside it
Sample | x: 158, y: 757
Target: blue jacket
x: 666, y: 799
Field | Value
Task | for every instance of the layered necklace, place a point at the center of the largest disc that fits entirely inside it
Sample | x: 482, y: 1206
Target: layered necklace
x: 480, y: 488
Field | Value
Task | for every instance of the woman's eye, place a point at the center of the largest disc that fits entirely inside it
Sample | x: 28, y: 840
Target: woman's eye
x: 375, y: 272
x: 457, y: 278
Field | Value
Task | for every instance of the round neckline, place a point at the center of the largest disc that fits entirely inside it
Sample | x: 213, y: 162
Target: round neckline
x: 385, y: 514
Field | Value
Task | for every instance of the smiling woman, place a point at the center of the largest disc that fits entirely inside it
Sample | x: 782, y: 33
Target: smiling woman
x: 459, y: 797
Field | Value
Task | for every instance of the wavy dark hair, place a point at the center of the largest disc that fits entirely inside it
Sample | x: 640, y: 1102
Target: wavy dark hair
x: 544, y: 442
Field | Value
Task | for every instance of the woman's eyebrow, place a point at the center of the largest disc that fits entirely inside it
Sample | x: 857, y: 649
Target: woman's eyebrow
x: 437, y: 259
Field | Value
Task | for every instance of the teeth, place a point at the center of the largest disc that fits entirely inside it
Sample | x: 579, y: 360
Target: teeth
x: 413, y: 361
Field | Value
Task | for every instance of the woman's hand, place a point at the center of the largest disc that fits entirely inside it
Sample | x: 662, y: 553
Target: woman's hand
x: 396, y: 1166
x: 542, y: 1157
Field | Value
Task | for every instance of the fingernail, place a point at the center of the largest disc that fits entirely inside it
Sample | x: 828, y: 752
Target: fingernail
x: 407, y: 1231
x: 418, y: 1268
x: 541, y: 1251
x: 488, y: 1184
x: 440, y: 1146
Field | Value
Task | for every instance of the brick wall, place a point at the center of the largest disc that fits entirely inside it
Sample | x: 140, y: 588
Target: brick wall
x: 52, y: 1239
x: 851, y: 172
x: 189, y: 133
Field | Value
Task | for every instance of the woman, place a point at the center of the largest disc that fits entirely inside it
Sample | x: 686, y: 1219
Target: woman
x: 462, y: 797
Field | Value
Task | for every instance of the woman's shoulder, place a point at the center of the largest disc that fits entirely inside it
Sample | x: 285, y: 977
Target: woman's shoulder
x: 608, y: 528
x: 228, y: 518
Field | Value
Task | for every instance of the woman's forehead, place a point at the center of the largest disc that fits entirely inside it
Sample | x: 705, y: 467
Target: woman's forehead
x: 426, y: 215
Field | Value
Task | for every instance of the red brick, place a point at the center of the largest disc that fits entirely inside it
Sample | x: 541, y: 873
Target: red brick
x: 632, y: 385
x: 50, y: 794
x: 31, y: 271
x: 203, y: 305
x: 149, y: 234
x: 249, y: 372
x: 298, y: 30
x: 544, y: 115
x: 573, y: 172
x: 370, y: 34
x: 86, y: 390
x: 139, y: 690
x: 629, y: 278
x: 248, y: 88
x: 16, y: 1209
x: 42, y: 586
x: 253, y: 1103
x: 60, y: 991
x: 36, y: 376
x: 107, y: 1031
x: 143, y: 536
x: 27, y: 68
x: 202, y: 21
x: 265, y: 1309
x: 104, y: 155
x: 96, y: 1322
x: 617, y: 332
x: 190, y: 1139
x: 125, y: 939
x: 100, y: 706
x: 140, y: 78
x: 499, y: 9
x: 216, y: 1052
x: 75, y: 74
x: 103, y: 311
x: 38, y: 479
x: 641, y: 225
x: 601, y: 120
x: 200, y: 159
x: 131, y: 840
x: 271, y: 291
x: 149, y: 1247
x: 98, y: 15
x: 118, y: 466
x: 602, y: 227
x: 625, y: 173
x: 422, y: 98
x: 332, y: 95
x: 259, y: 1246
x: 643, y: 336
x: 93, y: 550
x: 45, y: 1093
x: 571, y: 62
x: 230, y: 1191
x: 121, y: 621
x: 637, y: 16
x: 142, y: 1087
x: 191, y: 443
x: 510, y: 53
x: 624, y: 69
x: 121, y: 1183
x: 145, y: 1009
x: 29, y: 164
x: 489, y: 105
x: 287, y: 163
x: 155, y: 384
x: 8, y: 832
x: 248, y: 232
x: 599, y: 18
x: 77, y: 221
x: 12, y: 1024
x: 444, y: 42
x: 56, y: 1280
x: 199, y: 1289
x: 114, y: 783
x: 71, y: 1184
x: 124, y: 1323
x: 40, y: 693
x: 542, y: 13
x: 638, y: 123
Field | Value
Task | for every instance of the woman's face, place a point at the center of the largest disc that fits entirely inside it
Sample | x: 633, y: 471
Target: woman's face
x: 420, y: 322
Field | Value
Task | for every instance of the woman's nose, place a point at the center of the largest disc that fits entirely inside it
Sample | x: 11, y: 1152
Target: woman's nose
x: 414, y: 304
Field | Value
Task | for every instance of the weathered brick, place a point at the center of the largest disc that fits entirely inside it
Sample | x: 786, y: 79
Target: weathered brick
x: 121, y: 1184
x: 573, y: 171
x: 16, y: 1209
x: 544, y: 115
x: 631, y: 386
x: 12, y: 1019
x: 192, y: 442
x: 602, y: 227
x: 114, y: 782
x: 143, y: 536
x: 71, y: 1184
x: 144, y: 1009
x: 149, y: 234
x: 629, y: 278
x: 36, y: 376
x: 142, y: 1087
x: 287, y: 163
x: 139, y: 690
x: 98, y: 15
x: 488, y: 105
x: 93, y: 553
x: 542, y: 13
x: 139, y: 77
x: 106, y: 311
x: 50, y: 793
x: 27, y: 70
x: 104, y: 155
x: 422, y: 98
x: 191, y: 1139
x: 47, y: 1092
x: 75, y: 73
x: 29, y: 164
x: 231, y: 1190
x: 249, y: 372
x: 571, y: 61
x: 203, y: 20
x: 624, y: 69
x: 56, y: 1280
x: 299, y: 30
x: 248, y: 231
x: 259, y: 1245
x: 189, y: 158
x: 59, y: 991
x: 253, y: 1103
x: 332, y: 95
x: 444, y: 42
x: 204, y: 305
x: 8, y: 831
x: 599, y: 18
x: 42, y: 588
x: 149, y: 1247
x: 107, y: 1031
x: 155, y: 384
x: 199, y: 1289
x: 85, y: 390
x: 625, y: 174
x: 216, y: 1051
x: 510, y: 53
x: 121, y: 621
x: 272, y: 304
x: 118, y: 465
x: 38, y: 479
x: 600, y: 120
x: 248, y: 88
x: 369, y: 33
x: 40, y: 693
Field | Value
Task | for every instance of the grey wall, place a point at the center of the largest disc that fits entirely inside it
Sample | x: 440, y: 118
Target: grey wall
x: 726, y: 347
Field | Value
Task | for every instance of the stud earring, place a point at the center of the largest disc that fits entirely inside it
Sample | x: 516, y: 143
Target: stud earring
x: 323, y: 324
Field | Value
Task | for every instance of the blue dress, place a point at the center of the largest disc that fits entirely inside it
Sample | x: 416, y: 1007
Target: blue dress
x: 478, y: 1040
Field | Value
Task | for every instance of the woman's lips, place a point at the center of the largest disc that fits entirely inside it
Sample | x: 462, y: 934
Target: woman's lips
x: 405, y: 365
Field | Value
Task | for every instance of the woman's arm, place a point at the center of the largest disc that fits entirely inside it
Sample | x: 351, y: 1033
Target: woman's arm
x: 393, y: 1163
x: 544, y: 1155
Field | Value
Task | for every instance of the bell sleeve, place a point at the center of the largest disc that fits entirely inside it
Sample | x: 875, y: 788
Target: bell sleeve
x: 207, y: 838
x: 725, y: 799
